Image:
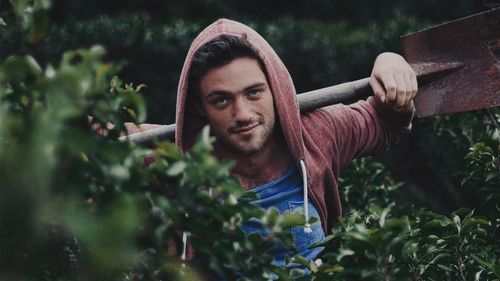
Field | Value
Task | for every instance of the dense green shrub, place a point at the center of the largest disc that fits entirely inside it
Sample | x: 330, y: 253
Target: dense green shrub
x: 79, y: 205
x: 384, y: 241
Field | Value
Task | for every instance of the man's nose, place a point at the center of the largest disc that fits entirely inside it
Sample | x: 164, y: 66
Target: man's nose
x: 242, y: 110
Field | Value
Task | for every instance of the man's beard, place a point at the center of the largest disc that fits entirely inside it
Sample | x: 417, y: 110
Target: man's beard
x: 254, y: 146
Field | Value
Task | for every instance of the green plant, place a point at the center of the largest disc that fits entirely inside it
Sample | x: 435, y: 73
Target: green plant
x: 89, y: 197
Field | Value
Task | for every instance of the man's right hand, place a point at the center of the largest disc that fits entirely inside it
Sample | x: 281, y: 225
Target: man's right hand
x: 394, y: 82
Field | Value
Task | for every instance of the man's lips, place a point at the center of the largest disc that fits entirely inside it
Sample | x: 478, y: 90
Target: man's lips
x: 246, y: 129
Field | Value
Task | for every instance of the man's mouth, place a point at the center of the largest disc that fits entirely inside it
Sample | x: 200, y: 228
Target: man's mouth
x: 245, y: 130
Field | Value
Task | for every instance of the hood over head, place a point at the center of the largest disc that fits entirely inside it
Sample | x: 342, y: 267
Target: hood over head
x: 189, y: 122
x: 321, y: 142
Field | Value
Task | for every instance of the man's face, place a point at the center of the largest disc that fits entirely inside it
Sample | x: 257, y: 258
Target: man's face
x: 237, y: 101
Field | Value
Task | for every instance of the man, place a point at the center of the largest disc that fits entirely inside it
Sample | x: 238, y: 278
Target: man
x: 235, y: 82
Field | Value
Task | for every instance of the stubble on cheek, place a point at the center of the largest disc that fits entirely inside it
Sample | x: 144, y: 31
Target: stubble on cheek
x: 257, y: 142
x: 247, y: 145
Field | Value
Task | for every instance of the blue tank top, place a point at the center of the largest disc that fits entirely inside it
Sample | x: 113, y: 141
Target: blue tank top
x: 286, y: 194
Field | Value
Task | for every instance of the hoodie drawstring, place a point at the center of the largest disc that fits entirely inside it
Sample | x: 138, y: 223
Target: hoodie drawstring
x: 307, y: 225
x: 184, y: 247
x: 186, y: 234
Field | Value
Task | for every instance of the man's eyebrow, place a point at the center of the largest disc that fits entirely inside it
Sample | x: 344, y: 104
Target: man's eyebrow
x: 255, y: 85
x: 226, y: 93
x: 218, y: 93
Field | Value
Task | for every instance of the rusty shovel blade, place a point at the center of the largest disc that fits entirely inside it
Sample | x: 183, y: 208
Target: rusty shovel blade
x: 457, y: 63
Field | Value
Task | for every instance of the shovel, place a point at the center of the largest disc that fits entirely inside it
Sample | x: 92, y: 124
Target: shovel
x: 457, y: 65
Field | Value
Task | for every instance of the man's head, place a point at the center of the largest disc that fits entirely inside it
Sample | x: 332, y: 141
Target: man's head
x: 216, y: 53
x: 228, y: 83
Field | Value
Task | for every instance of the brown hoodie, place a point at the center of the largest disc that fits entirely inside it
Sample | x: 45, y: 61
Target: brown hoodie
x: 321, y: 141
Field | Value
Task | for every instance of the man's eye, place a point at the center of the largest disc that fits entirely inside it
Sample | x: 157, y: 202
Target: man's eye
x: 254, y: 93
x: 220, y: 101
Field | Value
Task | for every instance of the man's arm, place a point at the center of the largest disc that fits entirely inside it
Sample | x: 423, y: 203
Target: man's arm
x: 371, y: 125
x: 133, y: 128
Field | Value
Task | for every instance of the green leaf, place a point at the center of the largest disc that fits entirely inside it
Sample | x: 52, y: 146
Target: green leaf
x: 97, y: 51
x: 491, y: 176
x: 477, y: 276
x: 301, y: 260
x: 331, y: 269
x: 168, y: 149
x: 272, y: 215
x: 343, y: 252
x: 456, y: 220
x: 205, y: 137
x: 292, y: 219
x: 383, y: 215
x: 2, y: 22
x: 43, y: 4
x: 16, y: 69
x: 496, y: 269
x: 39, y: 28
x: 19, y: 6
x: 177, y: 168
x: 119, y: 172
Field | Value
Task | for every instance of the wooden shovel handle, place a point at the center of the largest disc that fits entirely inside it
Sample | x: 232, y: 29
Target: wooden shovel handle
x: 342, y: 93
x: 346, y: 92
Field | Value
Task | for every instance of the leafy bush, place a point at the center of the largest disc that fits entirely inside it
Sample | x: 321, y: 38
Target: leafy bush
x: 403, y: 242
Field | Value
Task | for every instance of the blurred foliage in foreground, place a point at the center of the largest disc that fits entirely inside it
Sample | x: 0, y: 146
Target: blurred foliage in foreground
x: 78, y: 205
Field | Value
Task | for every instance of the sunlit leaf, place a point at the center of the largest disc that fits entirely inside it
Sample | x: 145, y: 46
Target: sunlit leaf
x: 177, y: 168
x: 292, y: 219
x: 19, y: 5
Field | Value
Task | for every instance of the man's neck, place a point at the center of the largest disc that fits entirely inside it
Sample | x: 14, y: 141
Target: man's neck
x: 263, y: 167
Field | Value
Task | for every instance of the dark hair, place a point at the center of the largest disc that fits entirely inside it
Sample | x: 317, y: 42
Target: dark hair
x: 218, y: 52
